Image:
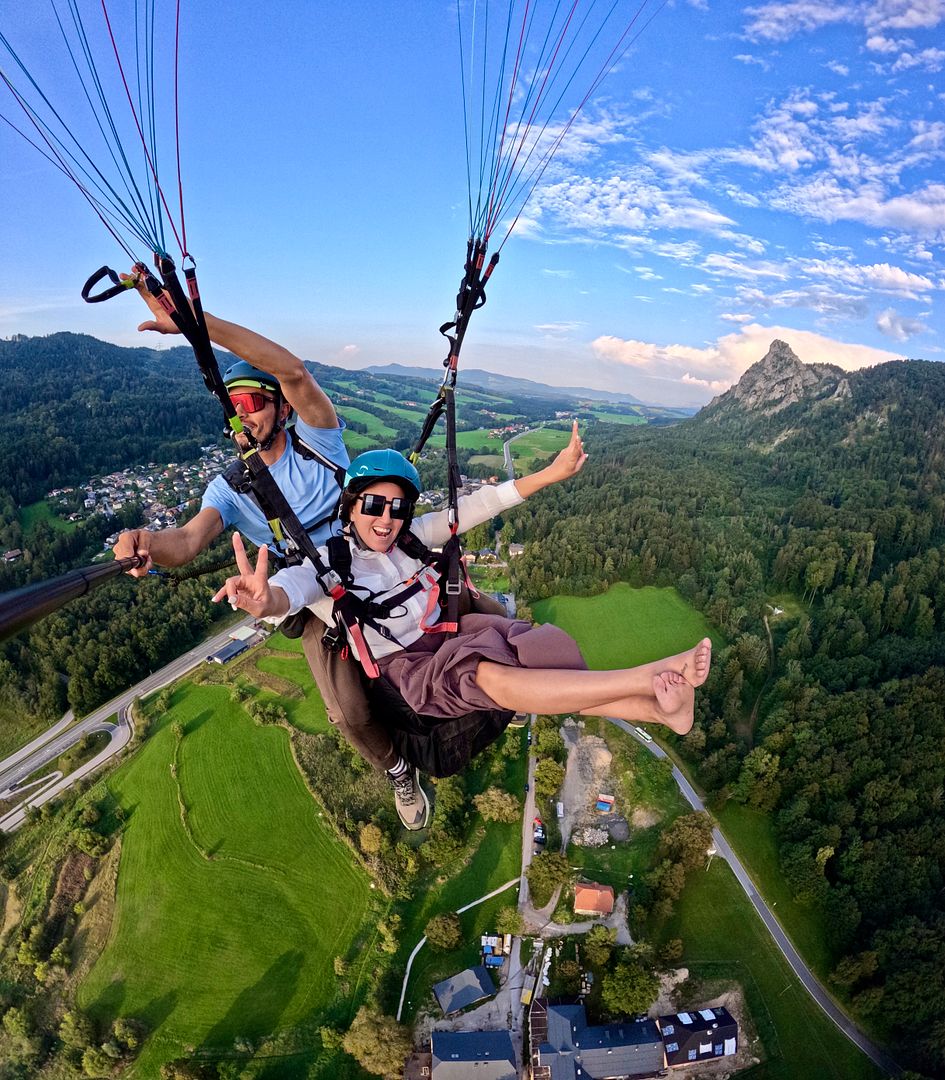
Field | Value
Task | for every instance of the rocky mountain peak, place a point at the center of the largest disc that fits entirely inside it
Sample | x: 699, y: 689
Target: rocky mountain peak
x: 779, y: 379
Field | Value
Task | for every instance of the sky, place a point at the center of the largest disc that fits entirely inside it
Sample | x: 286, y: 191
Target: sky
x: 749, y: 171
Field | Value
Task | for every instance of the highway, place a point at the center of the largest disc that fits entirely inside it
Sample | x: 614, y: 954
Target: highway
x: 65, y: 733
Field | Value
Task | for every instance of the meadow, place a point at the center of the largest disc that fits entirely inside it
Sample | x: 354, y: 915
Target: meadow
x: 30, y: 516
x: 233, y: 896
x: 724, y: 940
x: 626, y: 626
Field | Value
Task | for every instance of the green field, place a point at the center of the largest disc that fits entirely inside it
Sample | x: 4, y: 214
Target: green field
x: 496, y: 860
x: 376, y: 428
x: 616, y: 418
x: 30, y: 516
x: 240, y: 945
x: 626, y: 626
x: 542, y: 443
x: 752, y: 835
x: 471, y: 440
x: 726, y: 942
x: 489, y: 578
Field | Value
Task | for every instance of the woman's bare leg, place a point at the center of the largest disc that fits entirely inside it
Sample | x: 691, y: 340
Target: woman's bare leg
x: 672, y: 704
x: 553, y: 690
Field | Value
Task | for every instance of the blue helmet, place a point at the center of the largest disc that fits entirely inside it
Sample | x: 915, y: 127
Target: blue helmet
x: 375, y: 465
x: 243, y: 374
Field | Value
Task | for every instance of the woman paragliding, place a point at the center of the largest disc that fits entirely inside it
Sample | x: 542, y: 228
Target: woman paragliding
x: 493, y: 662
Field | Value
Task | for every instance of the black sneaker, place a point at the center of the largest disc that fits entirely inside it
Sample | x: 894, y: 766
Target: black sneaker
x: 410, y: 800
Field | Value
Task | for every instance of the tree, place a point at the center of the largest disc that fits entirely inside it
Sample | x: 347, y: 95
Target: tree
x: 95, y: 1062
x: 444, y: 931
x: 378, y: 1043
x: 510, y: 921
x: 629, y: 990
x: 76, y: 1030
x: 370, y: 839
x: 497, y: 805
x: 549, y: 776
x: 599, y: 943
x: 128, y: 1032
x: 545, y: 873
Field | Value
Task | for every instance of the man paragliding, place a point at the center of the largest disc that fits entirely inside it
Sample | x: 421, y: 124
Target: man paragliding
x: 492, y: 662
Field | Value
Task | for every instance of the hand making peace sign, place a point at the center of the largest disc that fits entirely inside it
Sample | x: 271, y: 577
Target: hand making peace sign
x: 249, y: 590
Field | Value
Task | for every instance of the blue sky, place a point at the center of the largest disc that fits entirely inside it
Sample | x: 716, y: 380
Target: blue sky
x: 750, y: 171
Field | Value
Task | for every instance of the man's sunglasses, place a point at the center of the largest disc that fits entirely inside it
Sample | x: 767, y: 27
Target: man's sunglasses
x: 373, y: 506
x: 249, y: 400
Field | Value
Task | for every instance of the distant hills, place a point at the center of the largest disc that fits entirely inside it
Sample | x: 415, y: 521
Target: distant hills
x: 508, y: 384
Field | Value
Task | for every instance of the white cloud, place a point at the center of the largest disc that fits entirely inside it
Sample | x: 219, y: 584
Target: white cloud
x: 558, y: 273
x: 781, y: 21
x: 838, y: 69
x: 733, y: 267
x: 904, y: 14
x: 881, y: 277
x: 558, y: 329
x: 722, y: 363
x: 759, y: 61
x: 921, y: 212
x: 634, y: 200
x: 895, y: 326
x: 928, y: 59
x: 881, y: 44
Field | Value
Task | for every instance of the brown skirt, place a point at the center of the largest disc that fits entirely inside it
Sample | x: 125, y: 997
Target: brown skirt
x: 436, y: 675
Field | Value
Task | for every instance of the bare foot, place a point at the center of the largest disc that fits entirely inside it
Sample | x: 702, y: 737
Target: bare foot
x: 693, y: 664
x: 675, y: 701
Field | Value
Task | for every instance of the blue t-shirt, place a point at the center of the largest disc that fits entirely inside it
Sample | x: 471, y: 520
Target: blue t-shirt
x: 310, y: 489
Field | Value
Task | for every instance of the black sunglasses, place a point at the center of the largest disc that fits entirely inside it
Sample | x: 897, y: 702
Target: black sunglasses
x: 373, y: 506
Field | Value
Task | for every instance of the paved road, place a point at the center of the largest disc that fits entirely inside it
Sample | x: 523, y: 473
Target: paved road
x: 507, y: 451
x: 879, y: 1057
x: 66, y: 733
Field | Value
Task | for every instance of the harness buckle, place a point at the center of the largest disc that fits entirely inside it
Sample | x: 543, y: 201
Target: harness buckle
x: 454, y: 588
x: 331, y: 583
x: 428, y: 578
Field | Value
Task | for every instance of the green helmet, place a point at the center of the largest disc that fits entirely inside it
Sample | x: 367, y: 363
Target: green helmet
x: 374, y: 465
x: 243, y: 374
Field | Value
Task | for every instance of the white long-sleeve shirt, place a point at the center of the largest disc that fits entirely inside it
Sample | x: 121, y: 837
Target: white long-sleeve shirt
x: 383, y: 573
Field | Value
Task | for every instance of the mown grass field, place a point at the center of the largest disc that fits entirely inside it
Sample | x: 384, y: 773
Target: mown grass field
x: 725, y: 941
x: 241, y: 945
x: 376, y: 428
x: 542, y: 443
x: 471, y: 440
x: 751, y: 833
x: 30, y: 516
x: 625, y: 626
x: 617, y: 418
x: 287, y: 661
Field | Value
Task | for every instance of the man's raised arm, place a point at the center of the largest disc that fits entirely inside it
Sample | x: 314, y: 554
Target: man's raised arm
x: 299, y: 387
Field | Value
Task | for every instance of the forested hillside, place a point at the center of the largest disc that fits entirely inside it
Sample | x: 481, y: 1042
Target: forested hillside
x: 77, y: 407
x: 826, y: 500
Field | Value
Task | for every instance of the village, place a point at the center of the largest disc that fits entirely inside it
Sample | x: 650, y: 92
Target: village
x: 501, y: 1019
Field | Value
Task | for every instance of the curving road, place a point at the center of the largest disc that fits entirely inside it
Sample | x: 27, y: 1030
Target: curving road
x: 878, y: 1056
x: 66, y: 732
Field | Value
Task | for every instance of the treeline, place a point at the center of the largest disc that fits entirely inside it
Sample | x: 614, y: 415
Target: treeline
x: 837, y: 733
